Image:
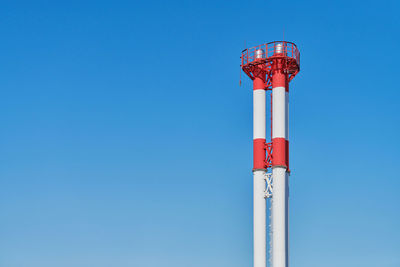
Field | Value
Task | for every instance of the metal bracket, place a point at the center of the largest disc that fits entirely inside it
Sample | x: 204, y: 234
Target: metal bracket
x: 269, y: 185
x: 268, y: 150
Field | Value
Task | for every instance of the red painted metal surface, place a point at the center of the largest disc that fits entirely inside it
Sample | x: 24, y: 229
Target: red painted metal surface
x: 255, y: 66
x: 259, y: 154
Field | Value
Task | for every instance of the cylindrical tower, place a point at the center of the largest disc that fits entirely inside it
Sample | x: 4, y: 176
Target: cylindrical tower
x: 259, y: 168
x: 279, y: 160
x: 271, y: 67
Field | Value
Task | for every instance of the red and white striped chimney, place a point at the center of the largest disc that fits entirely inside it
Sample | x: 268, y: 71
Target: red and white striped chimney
x: 259, y: 168
x: 271, y: 67
x: 280, y: 160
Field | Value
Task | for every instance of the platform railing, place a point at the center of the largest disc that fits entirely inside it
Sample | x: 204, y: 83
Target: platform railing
x: 288, y: 49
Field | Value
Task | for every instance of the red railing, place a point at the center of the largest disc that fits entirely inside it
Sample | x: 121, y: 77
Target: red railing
x: 269, y: 51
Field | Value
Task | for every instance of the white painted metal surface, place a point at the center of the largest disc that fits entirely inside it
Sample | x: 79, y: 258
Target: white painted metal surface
x: 287, y: 115
x: 259, y: 219
x: 259, y: 117
x: 279, y: 115
x: 280, y: 217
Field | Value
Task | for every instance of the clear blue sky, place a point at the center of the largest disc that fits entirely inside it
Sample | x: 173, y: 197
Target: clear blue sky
x: 125, y: 139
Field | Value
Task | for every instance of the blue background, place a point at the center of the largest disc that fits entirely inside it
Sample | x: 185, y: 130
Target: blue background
x: 126, y: 140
